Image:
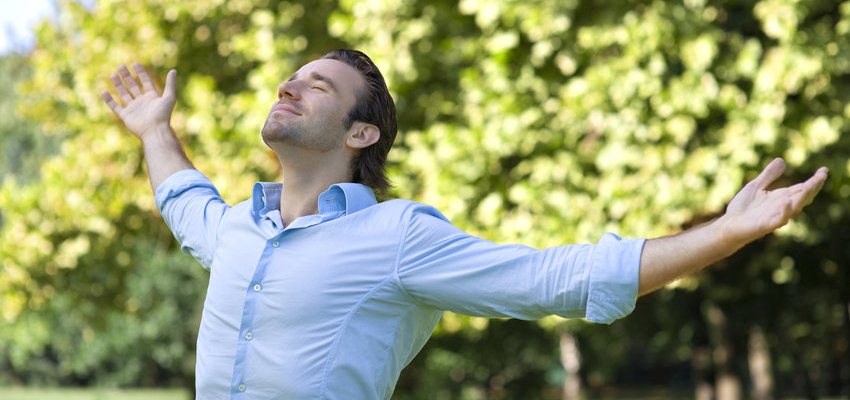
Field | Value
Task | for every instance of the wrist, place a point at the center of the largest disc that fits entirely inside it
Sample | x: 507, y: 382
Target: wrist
x: 727, y: 236
x: 158, y: 134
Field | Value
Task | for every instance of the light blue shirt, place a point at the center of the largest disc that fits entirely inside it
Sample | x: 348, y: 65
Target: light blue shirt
x: 334, y: 305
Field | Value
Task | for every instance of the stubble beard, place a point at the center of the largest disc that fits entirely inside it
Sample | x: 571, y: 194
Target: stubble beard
x: 294, y: 134
x: 280, y: 132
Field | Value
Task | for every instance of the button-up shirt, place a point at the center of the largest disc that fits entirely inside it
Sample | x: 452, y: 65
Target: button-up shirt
x: 335, y: 304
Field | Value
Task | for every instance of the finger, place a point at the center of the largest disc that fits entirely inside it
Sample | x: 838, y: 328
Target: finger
x: 825, y: 173
x: 772, y: 171
x: 804, y: 193
x: 170, y: 82
x: 129, y: 81
x: 122, y: 91
x: 817, y: 180
x: 147, y: 82
x: 111, y: 102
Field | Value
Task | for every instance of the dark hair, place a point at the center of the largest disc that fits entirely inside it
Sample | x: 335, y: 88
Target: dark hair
x: 374, y: 105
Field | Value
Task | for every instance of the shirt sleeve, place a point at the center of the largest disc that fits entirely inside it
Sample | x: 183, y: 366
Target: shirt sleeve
x: 192, y: 209
x: 446, y: 268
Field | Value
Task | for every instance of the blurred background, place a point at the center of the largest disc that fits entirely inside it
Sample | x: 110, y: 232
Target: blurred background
x: 536, y: 122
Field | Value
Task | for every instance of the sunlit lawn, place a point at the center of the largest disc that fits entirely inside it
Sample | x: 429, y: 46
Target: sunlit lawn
x: 92, y: 394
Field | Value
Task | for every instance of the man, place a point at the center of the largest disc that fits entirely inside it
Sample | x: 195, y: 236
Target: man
x: 317, y: 291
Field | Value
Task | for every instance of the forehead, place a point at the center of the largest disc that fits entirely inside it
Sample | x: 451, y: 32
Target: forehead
x: 343, y: 75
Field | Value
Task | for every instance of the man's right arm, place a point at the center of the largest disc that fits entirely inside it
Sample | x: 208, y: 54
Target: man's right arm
x: 188, y: 201
x: 164, y: 155
x: 147, y: 114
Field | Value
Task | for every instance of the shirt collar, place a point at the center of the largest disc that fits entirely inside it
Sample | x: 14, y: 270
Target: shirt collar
x: 266, y: 197
x: 340, y: 197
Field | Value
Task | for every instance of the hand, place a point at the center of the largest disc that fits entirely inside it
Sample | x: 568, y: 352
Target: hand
x: 144, y: 110
x: 755, y: 211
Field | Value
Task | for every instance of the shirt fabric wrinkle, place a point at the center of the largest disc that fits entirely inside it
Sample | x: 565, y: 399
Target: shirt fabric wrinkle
x: 341, y: 331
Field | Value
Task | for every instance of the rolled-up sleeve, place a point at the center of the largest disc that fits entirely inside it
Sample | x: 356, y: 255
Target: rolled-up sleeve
x: 192, y: 209
x: 444, y: 267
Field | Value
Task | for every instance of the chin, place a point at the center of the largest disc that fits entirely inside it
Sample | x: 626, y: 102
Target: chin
x: 274, y: 131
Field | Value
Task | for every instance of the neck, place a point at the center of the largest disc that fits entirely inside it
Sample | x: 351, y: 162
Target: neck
x: 305, y: 176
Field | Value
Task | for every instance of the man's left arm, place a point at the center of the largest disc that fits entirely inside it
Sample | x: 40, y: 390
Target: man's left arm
x: 443, y: 267
x: 753, y: 212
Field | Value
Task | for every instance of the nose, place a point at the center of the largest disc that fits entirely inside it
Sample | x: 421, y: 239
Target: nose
x: 289, y: 90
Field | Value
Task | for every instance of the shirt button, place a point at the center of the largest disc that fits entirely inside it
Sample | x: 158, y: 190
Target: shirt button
x: 249, y: 336
x: 257, y: 287
x: 275, y: 244
x: 242, y: 387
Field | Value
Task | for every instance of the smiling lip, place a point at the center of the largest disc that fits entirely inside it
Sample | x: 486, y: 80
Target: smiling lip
x: 285, y: 107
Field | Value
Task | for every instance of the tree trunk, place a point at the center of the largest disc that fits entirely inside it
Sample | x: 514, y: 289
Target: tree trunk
x: 759, y: 361
x: 846, y: 375
x: 571, y: 360
x: 845, y: 297
x: 701, y: 366
x: 803, y: 371
x: 727, y: 385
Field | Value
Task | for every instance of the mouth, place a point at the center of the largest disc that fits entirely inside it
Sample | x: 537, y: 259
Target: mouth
x: 285, y: 108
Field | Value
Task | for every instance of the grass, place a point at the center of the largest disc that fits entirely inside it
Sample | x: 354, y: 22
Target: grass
x: 23, y: 393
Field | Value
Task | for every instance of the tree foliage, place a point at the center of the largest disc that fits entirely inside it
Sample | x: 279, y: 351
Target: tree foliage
x: 543, y: 123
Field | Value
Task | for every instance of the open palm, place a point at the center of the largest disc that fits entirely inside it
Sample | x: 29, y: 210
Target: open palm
x: 144, y: 110
x: 756, y: 211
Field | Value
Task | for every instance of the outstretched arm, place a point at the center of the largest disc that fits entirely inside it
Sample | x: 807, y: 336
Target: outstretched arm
x: 753, y: 212
x: 147, y: 114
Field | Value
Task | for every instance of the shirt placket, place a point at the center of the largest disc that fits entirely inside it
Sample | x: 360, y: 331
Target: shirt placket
x: 239, y: 385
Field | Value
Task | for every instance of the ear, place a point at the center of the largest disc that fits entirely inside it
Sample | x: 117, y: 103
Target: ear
x: 362, y: 135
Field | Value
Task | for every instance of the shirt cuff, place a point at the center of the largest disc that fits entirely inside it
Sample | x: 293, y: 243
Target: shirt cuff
x: 178, y: 183
x: 614, y: 274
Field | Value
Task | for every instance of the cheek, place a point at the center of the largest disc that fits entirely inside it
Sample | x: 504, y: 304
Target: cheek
x: 342, y: 117
x: 333, y: 116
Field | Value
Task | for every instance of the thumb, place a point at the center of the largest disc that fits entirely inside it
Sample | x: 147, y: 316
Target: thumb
x: 170, y: 83
x: 772, y: 171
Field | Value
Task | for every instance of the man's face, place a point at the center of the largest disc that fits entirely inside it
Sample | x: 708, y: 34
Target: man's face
x: 312, y: 107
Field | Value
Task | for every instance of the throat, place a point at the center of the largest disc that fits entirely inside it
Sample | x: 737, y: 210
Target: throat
x: 305, y: 178
x: 292, y: 209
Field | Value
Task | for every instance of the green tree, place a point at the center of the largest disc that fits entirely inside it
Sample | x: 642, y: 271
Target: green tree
x: 23, y: 146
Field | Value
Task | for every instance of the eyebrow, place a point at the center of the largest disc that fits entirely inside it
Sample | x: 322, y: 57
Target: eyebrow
x: 318, y: 77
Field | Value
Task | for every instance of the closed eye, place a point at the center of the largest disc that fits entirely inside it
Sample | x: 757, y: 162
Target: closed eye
x: 319, y: 88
